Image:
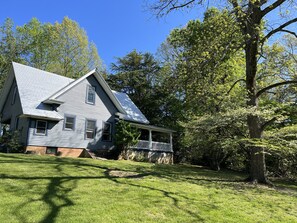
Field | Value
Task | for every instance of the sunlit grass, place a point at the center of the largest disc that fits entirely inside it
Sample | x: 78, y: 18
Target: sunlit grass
x: 50, y: 189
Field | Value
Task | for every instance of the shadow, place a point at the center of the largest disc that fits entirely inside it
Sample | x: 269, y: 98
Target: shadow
x: 62, y: 182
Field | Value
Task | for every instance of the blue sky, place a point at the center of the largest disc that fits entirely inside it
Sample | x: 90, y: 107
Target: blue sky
x: 115, y: 26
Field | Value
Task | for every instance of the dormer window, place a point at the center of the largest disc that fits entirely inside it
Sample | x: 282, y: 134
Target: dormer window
x: 90, y: 95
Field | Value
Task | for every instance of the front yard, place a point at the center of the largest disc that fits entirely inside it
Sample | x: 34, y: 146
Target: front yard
x: 51, y: 189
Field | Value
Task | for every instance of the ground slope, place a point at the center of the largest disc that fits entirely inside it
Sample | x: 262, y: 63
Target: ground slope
x: 51, y: 189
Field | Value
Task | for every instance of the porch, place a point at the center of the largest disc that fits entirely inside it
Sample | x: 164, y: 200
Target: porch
x: 154, y: 138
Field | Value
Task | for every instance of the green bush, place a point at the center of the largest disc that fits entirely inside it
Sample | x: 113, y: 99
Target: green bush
x: 9, y: 142
x: 126, y: 136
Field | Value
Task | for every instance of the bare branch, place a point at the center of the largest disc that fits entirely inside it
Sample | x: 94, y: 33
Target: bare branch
x: 279, y: 29
x: 271, y: 7
x: 263, y: 90
x: 164, y: 7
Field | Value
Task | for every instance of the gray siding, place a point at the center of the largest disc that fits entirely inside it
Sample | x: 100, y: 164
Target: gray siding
x: 75, y: 104
x: 11, y: 111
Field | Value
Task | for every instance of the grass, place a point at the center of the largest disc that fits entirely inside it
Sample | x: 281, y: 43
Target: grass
x: 51, y: 189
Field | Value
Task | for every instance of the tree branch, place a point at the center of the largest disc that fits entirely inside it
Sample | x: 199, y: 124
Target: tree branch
x: 279, y: 29
x: 233, y: 85
x: 271, y: 7
x: 264, y: 125
x: 259, y: 93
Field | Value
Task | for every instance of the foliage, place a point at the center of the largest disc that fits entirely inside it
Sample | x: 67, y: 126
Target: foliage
x: 62, y: 48
x: 205, y: 63
x: 126, y: 136
x: 128, y: 191
x: 140, y: 76
x: 9, y: 142
x: 216, y: 140
x: 251, y: 18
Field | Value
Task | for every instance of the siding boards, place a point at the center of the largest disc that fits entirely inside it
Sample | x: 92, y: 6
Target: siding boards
x: 11, y: 111
x: 75, y: 104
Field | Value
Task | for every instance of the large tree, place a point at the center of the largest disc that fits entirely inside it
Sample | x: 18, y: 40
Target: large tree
x: 251, y: 16
x: 62, y: 48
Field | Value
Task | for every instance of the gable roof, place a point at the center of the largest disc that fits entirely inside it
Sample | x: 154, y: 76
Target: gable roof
x: 39, y: 89
x: 100, y: 79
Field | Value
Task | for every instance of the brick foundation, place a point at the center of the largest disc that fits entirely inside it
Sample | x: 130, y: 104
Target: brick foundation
x: 63, y: 152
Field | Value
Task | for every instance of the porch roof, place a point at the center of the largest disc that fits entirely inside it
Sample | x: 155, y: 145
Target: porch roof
x: 153, y: 128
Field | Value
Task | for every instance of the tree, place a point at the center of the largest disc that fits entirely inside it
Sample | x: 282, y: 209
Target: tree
x: 10, y: 49
x: 62, y: 48
x: 251, y: 16
x: 140, y: 76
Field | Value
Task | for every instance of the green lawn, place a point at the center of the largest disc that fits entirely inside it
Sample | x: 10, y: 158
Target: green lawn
x: 50, y: 189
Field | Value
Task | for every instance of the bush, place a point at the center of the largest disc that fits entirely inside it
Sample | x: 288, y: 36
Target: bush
x: 9, y: 143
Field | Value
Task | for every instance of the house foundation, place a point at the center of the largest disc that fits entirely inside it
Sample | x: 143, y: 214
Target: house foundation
x: 160, y: 157
x: 58, y: 151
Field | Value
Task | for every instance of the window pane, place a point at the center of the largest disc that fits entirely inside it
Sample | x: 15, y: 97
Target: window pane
x: 106, y: 132
x: 90, y: 129
x: 91, y: 95
x: 69, y: 123
x: 41, y: 127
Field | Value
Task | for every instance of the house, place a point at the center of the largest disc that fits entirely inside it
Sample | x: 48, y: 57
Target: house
x: 62, y: 116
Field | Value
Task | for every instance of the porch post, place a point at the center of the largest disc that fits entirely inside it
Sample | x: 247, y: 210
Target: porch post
x: 171, y: 144
x: 150, y: 140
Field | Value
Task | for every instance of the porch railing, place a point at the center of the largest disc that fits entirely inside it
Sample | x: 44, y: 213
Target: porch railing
x: 155, y: 146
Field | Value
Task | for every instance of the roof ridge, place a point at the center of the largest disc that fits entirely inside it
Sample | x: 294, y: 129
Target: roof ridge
x: 44, y: 71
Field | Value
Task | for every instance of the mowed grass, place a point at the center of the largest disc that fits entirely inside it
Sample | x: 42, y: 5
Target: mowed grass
x: 51, y: 189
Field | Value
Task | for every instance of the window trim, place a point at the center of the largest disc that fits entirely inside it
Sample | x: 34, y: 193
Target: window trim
x: 51, y: 147
x: 40, y: 134
x: 110, y: 131
x: 87, y: 94
x: 95, y: 129
x: 74, y: 122
x: 14, y: 95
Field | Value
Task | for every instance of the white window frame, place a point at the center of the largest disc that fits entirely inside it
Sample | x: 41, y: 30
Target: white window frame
x: 86, y: 130
x: 65, y: 121
x: 45, y: 130
x: 89, y: 87
x: 109, y: 133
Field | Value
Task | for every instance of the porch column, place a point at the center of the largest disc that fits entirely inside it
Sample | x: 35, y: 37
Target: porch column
x: 150, y: 139
x: 171, y: 144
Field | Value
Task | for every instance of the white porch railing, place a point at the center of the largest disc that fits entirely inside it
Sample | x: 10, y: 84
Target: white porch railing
x: 155, y: 146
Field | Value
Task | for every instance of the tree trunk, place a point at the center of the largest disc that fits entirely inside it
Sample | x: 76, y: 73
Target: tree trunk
x: 257, y: 159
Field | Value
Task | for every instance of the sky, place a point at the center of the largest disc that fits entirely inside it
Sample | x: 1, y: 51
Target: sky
x: 116, y: 26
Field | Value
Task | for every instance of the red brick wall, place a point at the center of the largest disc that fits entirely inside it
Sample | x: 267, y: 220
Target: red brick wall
x: 64, y: 152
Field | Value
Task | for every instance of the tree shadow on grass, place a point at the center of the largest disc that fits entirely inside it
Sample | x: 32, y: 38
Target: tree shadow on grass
x: 60, y: 186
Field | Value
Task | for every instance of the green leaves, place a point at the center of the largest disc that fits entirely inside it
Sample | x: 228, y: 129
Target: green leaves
x: 62, y: 48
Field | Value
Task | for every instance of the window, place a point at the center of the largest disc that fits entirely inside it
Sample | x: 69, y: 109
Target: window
x: 51, y: 150
x: 90, y: 129
x: 16, y: 123
x: 41, y: 127
x: 69, y: 122
x: 90, y: 95
x: 14, y: 95
x: 106, y: 131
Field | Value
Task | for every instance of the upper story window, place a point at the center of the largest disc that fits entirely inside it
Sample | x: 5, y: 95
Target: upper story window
x: 90, y: 95
x: 106, y: 131
x: 69, y: 122
x: 41, y: 127
x: 90, y: 129
x: 15, y: 90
